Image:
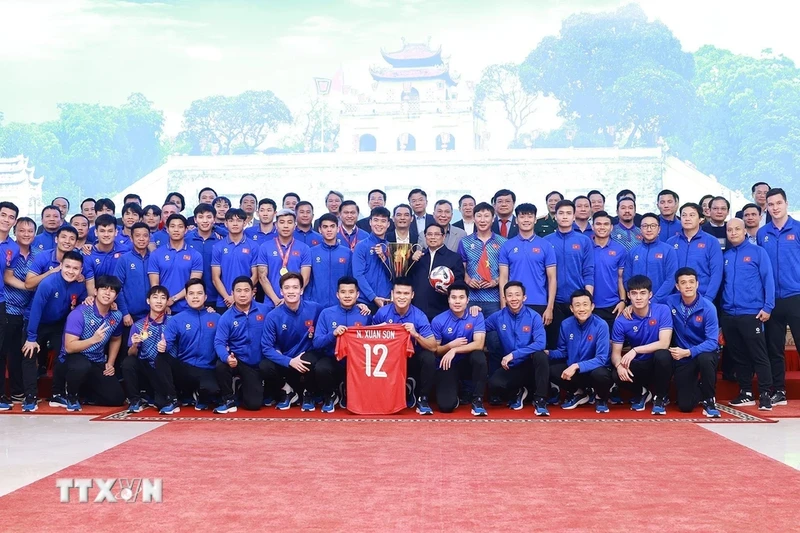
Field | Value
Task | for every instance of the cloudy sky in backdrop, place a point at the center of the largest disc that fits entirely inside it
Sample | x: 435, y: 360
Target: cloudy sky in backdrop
x: 176, y: 51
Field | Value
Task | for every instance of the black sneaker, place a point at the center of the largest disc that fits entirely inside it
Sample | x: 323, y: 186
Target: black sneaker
x: 423, y: 407
x: 764, y: 402
x: 477, y: 407
x: 745, y: 399
x: 779, y: 398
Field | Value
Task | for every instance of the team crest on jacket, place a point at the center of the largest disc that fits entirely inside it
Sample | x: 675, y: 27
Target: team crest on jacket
x: 747, y: 259
x: 494, y: 245
x: 309, y: 323
x: 112, y: 322
x: 468, y: 326
x: 341, y: 260
x: 116, y: 256
x: 535, y: 250
x: 209, y: 324
x: 295, y: 253
x: 245, y: 250
x: 133, y: 266
x: 188, y: 327
x: 789, y: 237
x: 590, y: 338
x: 526, y: 329
x: 652, y: 322
x: 698, y: 318
x: 236, y: 323
x: 659, y: 256
x: 187, y: 257
x: 701, y: 245
x: 576, y: 246
x: 571, y: 336
x: 9, y: 255
x: 635, y: 329
x: 259, y: 318
x: 612, y: 252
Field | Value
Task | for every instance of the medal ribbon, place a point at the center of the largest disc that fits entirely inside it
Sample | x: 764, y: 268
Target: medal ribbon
x: 158, y: 320
x: 284, y: 256
x: 350, y: 243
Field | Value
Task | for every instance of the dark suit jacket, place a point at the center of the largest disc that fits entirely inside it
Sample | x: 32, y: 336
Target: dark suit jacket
x: 460, y: 224
x: 426, y: 298
x: 364, y: 224
x: 513, y: 230
x: 413, y: 236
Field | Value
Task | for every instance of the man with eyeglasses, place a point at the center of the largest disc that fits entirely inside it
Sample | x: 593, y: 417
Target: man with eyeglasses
x: 652, y: 258
x: 426, y: 298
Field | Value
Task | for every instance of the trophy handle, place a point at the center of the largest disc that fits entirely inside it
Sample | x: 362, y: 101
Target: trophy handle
x: 384, y: 252
x: 413, y: 251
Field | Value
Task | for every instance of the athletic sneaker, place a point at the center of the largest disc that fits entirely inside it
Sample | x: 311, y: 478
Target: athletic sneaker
x: 764, y: 402
x: 228, y: 406
x: 138, y: 406
x: 540, y: 407
x: 269, y: 401
x: 411, y: 392
x: 477, y: 407
x: 342, y: 395
x: 592, y: 396
x: 745, y: 399
x: 308, y: 402
x: 17, y: 398
x: 640, y: 402
x: 286, y: 400
x: 601, y: 406
x: 329, y: 405
x: 73, y: 405
x: 555, y: 395
x: 495, y: 400
x: 710, y: 408
x: 613, y: 396
x: 423, y: 407
x: 186, y: 401
x: 659, y: 406
x: 30, y: 404
x: 519, y: 400
x: 170, y: 409
x: 779, y: 398
x: 574, y: 400
x: 57, y: 401
x: 5, y: 402
x: 200, y: 406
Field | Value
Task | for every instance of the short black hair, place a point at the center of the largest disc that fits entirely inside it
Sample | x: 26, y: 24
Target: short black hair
x: 465, y: 197
x: 133, y: 196
x: 133, y: 206
x: 87, y: 200
x: 158, y: 289
x: 105, y: 203
x: 291, y: 275
x: 651, y: 215
x: 73, y: 256
x: 154, y: 208
x: 29, y: 220
x: 11, y: 206
x: 204, y: 189
x: 268, y: 201
x: 403, y: 281
x: 139, y: 225
x: 458, y: 286
x: 377, y: 190
x: 565, y: 203
x: 639, y: 282
x: 525, y: 209
x: 595, y: 191
x: 328, y: 217
x: 703, y: 199
x: 505, y: 192
x: 302, y: 203
x: 66, y: 229
x: 49, y: 208
x: 667, y: 192
x: 380, y: 212
x: 235, y: 213
x: 756, y: 184
x: 483, y: 206
x: 105, y: 220
x: 346, y: 280
x: 108, y: 282
x: 692, y: 205
x: 727, y: 203
x: 685, y: 271
x: 434, y: 225
x: 443, y: 202
x: 290, y: 194
x: 63, y: 198
x: 176, y: 216
x: 514, y: 284
x: 194, y: 281
x: 225, y: 199
x: 626, y: 199
x: 205, y: 208
x: 551, y: 193
x: 601, y: 214
x: 242, y: 279
x: 626, y: 192
x: 348, y: 203
x: 579, y: 293
x: 751, y: 206
x: 417, y: 191
x: 402, y: 205
x: 580, y: 197
x: 245, y: 195
x: 73, y: 217
x: 180, y: 197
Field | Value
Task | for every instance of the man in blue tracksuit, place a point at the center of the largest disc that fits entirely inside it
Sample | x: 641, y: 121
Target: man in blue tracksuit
x: 329, y: 262
x: 233, y: 256
x: 581, y: 361
x: 238, y: 347
x: 286, y: 345
x: 131, y: 271
x: 203, y: 239
x: 609, y: 265
x: 696, y: 330
x: 371, y: 262
x: 669, y: 223
x: 189, y: 338
x: 54, y: 299
x: 698, y: 250
x: 781, y: 239
x: 748, y: 298
x: 653, y: 258
x: 574, y: 261
x: 333, y: 322
x: 523, y: 362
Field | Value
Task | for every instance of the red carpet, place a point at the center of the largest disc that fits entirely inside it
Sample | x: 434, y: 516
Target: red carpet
x: 409, y: 477
x: 782, y: 411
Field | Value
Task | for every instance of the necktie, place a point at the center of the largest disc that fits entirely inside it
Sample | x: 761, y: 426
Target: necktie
x: 504, y: 228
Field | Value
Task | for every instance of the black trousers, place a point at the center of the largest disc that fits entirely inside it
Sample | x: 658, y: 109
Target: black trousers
x: 608, y: 316
x: 686, y: 383
x: 653, y: 373
x: 422, y: 366
x: 599, y: 379
x: 746, y: 345
x: 560, y: 313
x: 13, y: 339
x: 533, y: 372
x: 471, y: 366
x: 183, y: 379
x: 86, y: 378
x: 50, y: 337
x: 138, y: 375
x: 325, y: 380
x: 252, y: 384
x: 786, y: 313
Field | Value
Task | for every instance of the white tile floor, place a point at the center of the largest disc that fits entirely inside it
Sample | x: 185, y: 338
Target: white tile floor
x: 34, y: 447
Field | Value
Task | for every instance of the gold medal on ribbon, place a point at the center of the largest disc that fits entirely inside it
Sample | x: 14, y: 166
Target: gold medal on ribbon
x: 284, y: 270
x: 144, y: 335
x: 284, y: 256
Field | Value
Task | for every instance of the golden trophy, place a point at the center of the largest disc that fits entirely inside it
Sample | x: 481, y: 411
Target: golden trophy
x: 397, y: 257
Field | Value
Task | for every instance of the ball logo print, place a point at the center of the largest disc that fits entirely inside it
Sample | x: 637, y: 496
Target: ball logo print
x: 441, y: 278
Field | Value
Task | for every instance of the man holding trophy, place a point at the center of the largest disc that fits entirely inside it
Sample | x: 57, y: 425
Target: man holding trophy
x: 430, y: 300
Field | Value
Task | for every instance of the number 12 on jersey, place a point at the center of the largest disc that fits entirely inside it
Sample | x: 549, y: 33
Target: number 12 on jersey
x: 380, y: 352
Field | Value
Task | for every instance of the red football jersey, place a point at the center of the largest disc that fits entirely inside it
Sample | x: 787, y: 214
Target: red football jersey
x: 376, y: 368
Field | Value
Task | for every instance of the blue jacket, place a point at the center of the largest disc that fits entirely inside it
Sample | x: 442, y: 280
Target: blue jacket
x: 371, y: 272
x: 193, y: 333
x: 53, y: 301
x: 328, y: 264
x: 310, y: 238
x: 331, y: 318
x: 289, y: 333
x: 699, y: 331
x: 657, y: 261
x: 44, y: 241
x: 18, y: 301
x: 204, y: 247
x: 240, y: 333
x: 669, y: 229
x: 574, y: 262
x: 705, y: 256
x: 748, y: 284
x: 783, y: 248
x: 520, y: 334
x: 132, y: 272
x: 585, y: 344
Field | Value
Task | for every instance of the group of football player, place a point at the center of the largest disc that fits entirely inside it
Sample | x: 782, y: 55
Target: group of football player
x: 242, y: 306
